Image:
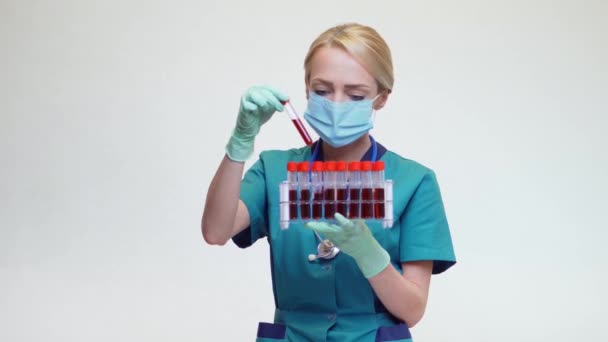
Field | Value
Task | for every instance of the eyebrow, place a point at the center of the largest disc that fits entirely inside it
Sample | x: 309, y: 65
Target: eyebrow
x: 348, y: 86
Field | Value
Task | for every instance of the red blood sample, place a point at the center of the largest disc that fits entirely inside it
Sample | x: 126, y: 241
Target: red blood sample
x: 329, y: 190
x: 367, y: 193
x: 341, y: 191
x: 317, y: 205
x: 330, y: 203
x: 354, y: 192
x: 303, y: 168
x: 379, y: 203
x: 302, y: 131
x: 378, y: 169
x: 341, y: 206
x: 292, y: 169
x: 293, y: 204
x: 317, y: 200
x: 305, y: 204
x: 297, y: 122
x: 353, y: 206
x: 367, y: 208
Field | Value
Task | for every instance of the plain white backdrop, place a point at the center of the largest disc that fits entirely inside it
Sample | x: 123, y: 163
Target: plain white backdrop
x: 114, y: 116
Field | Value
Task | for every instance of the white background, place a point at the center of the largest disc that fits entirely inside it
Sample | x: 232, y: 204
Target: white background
x: 114, y: 116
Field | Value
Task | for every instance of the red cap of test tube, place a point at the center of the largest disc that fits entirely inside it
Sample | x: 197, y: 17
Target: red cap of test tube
x: 330, y: 165
x: 378, y: 166
x: 341, y: 166
x: 354, y: 166
x: 303, y: 166
x: 366, y: 165
x: 292, y: 166
x: 317, y: 166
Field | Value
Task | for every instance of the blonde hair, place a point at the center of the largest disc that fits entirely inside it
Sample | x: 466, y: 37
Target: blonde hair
x: 364, y: 44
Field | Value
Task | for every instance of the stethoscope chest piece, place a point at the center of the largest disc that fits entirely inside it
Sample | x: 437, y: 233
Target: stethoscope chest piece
x: 325, y: 250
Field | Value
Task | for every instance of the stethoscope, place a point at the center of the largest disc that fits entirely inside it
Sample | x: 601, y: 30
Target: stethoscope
x: 325, y: 249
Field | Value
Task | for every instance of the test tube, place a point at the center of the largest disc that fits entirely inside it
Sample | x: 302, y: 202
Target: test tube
x: 354, y: 189
x: 378, y: 183
x: 295, y: 119
x: 304, y: 185
x: 329, y: 189
x: 341, y: 188
x: 292, y: 181
x: 388, y: 199
x: 284, y: 204
x: 367, y: 191
x: 317, y: 190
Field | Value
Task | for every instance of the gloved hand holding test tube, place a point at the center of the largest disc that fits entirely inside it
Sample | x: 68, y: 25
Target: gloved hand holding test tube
x: 297, y: 122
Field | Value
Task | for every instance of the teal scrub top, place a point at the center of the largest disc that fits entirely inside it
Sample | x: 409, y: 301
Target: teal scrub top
x: 331, y: 300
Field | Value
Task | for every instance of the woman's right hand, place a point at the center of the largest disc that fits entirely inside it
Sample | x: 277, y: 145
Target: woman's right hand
x: 258, y: 104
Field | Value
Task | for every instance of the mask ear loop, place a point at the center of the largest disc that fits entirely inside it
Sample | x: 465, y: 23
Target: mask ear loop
x: 373, y: 109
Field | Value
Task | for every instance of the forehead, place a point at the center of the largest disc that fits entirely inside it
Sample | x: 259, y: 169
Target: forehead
x: 338, y: 67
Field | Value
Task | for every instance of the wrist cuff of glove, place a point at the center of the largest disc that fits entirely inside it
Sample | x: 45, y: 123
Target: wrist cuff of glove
x: 239, y: 149
x: 374, y: 262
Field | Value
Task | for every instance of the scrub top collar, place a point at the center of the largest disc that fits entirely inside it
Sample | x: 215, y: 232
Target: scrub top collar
x: 375, y: 152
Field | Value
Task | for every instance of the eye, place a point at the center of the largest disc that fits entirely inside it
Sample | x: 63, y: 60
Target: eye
x: 356, y: 97
x: 321, y: 92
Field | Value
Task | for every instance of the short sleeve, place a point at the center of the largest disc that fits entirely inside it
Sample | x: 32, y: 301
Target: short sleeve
x: 425, y: 234
x: 253, y: 194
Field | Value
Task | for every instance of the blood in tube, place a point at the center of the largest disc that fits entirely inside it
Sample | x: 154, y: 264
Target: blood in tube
x: 367, y: 208
x: 305, y: 204
x: 354, y: 201
x: 378, y: 181
x: 341, y: 188
x: 379, y: 203
x: 317, y: 186
x: 330, y: 203
x: 302, y: 131
x: 304, y: 184
x: 317, y: 205
x: 292, y: 178
x: 293, y: 204
x: 341, y: 207
x: 354, y: 189
x: 329, y: 189
x: 297, y: 122
x: 367, y: 191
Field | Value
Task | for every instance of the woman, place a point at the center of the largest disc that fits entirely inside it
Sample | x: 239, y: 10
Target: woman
x: 377, y: 286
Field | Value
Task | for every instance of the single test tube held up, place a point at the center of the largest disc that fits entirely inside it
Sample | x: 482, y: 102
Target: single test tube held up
x: 295, y: 119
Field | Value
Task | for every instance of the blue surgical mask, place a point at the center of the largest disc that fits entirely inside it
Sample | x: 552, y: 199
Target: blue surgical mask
x: 339, y: 123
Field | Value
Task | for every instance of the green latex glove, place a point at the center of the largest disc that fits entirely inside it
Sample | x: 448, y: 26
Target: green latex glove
x: 257, y: 106
x: 355, y: 239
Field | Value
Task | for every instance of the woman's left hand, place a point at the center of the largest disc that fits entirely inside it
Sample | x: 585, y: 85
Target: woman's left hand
x: 354, y: 238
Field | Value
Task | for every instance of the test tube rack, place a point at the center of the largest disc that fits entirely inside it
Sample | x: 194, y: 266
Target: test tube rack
x: 316, y: 191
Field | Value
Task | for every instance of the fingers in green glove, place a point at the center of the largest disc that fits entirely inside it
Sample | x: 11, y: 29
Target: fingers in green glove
x: 248, y: 105
x: 262, y: 100
x: 273, y: 100
x: 323, y: 227
x: 343, y: 221
x: 278, y: 94
x: 258, y: 104
x: 267, y: 98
